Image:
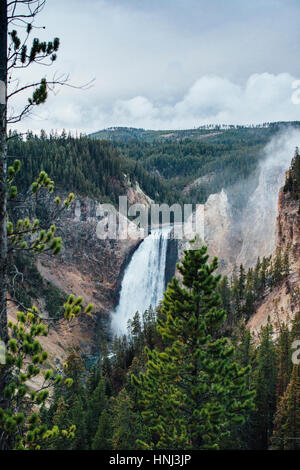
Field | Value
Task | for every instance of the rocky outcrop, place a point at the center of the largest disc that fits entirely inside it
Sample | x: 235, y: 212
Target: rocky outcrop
x: 203, y: 180
x: 88, y: 266
x: 215, y: 224
x: 283, y: 302
x: 220, y: 231
x: 240, y: 236
x: 288, y: 227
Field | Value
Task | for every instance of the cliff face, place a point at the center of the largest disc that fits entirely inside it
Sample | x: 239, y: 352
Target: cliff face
x: 87, y: 266
x: 221, y: 234
x: 288, y: 226
x: 241, y: 236
x: 284, y: 301
x: 258, y: 225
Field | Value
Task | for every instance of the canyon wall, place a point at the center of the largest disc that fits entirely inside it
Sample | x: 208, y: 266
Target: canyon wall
x: 240, y: 233
x: 283, y: 302
x: 87, y: 266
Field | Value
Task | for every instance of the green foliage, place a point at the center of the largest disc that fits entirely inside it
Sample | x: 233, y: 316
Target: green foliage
x: 284, y: 349
x: 25, y: 234
x: 93, y: 168
x: 162, y: 168
x: 292, y: 183
x: 27, y: 285
x: 25, y: 358
x: 185, y: 391
x: 265, y: 378
x: 102, y: 439
x: 127, y: 423
x: 228, y: 156
x: 243, y: 293
x: 287, y: 420
x: 73, y: 307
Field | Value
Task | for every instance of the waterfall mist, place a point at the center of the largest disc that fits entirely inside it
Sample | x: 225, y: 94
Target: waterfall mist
x: 258, y: 225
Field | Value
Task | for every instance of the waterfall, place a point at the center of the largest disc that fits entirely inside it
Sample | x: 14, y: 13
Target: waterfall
x: 144, y: 279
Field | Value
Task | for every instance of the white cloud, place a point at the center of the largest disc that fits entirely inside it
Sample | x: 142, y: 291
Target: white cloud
x: 135, y: 109
x: 176, y: 63
x: 210, y: 100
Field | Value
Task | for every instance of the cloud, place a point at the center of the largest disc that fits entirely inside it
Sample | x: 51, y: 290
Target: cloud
x: 135, y: 109
x: 211, y: 100
x: 176, y: 63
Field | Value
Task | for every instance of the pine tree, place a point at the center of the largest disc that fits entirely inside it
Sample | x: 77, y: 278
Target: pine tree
x: 278, y: 267
x: 149, y: 327
x: 264, y: 274
x: 135, y: 330
x: 244, y: 356
x: 193, y: 393
x: 69, y: 407
x: 264, y: 377
x: 103, y: 437
x: 127, y: 423
x: 225, y: 292
x: 20, y: 424
x: 245, y: 351
x: 256, y: 278
x: 97, y: 403
x: 295, y: 332
x: 249, y: 295
x: 286, y: 261
x: 292, y: 183
x: 286, y: 434
x: 242, y: 282
x: 284, y: 360
x: 236, y: 298
x: 16, y: 53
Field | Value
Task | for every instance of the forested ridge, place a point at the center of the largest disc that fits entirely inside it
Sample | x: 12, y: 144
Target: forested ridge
x: 88, y: 167
x: 102, y: 169
x: 229, y: 156
x: 125, y: 134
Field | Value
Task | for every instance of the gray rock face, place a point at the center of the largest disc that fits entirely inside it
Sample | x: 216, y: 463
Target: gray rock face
x: 240, y: 238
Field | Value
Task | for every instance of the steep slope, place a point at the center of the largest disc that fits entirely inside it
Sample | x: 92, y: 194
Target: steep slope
x: 284, y: 301
x: 87, y: 266
x: 238, y: 233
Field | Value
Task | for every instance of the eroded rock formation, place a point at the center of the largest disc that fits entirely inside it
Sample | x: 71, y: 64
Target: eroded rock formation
x: 283, y: 302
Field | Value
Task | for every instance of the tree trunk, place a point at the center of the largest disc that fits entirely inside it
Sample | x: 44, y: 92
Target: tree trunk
x: 3, y: 170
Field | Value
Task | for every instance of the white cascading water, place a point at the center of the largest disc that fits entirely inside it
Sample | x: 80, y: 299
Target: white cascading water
x: 144, y: 279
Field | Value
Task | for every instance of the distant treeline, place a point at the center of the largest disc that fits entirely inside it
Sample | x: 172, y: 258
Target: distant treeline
x: 88, y: 167
x: 103, y: 169
x: 230, y: 156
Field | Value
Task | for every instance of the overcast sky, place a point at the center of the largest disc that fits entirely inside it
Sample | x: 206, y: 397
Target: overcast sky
x: 165, y: 64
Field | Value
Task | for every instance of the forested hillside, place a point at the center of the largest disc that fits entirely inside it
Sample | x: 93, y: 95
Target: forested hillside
x: 125, y: 134
x: 186, y: 169
x: 212, y: 158
x: 88, y: 167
